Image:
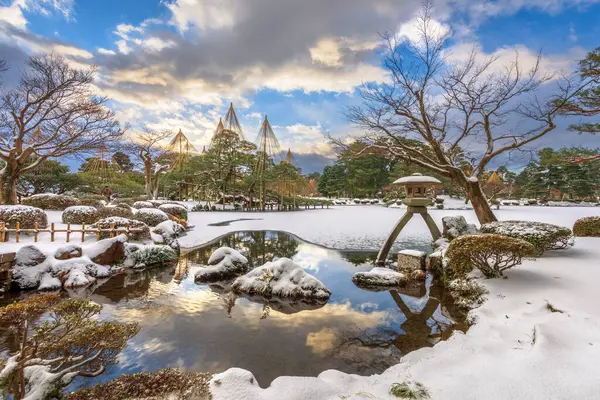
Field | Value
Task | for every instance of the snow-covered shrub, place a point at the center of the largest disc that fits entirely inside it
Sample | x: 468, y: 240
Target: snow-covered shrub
x: 142, y: 204
x: 158, y: 203
x: 198, y: 207
x: 151, y: 216
x: 541, y: 235
x: 112, y: 211
x: 455, y: 226
x: 224, y: 263
x: 120, y: 222
x: 151, y: 256
x: 167, y: 232
x: 491, y: 254
x: 176, y: 210
x: 466, y: 293
x: 51, y: 201
x: 26, y: 216
x: 379, y: 276
x: 281, y: 278
x: 80, y: 215
x: 94, y: 200
x: 587, y: 226
x: 409, y: 390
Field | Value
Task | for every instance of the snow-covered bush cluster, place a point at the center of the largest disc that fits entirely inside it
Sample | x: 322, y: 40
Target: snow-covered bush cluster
x: 80, y: 215
x: 379, y: 277
x: 455, y: 226
x: 51, y: 201
x: 491, y: 254
x: 167, y: 232
x: 151, y: 216
x: 176, y: 210
x: 587, y: 226
x: 120, y: 222
x: 467, y: 293
x: 26, y: 216
x: 140, y: 257
x: 97, y: 201
x: 224, y: 263
x: 281, y: 278
x: 541, y: 235
x: 142, y: 204
x: 114, y: 211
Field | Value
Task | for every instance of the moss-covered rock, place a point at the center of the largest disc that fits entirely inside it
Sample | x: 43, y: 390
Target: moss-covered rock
x: 587, y: 226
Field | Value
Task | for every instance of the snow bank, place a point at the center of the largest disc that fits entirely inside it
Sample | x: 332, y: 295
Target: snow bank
x: 281, y: 278
x: 224, y: 263
x: 519, y: 349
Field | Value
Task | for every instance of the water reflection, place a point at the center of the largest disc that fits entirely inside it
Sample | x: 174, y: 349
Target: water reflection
x: 209, y: 328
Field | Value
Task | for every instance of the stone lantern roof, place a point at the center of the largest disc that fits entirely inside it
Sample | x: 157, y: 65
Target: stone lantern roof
x: 417, y: 180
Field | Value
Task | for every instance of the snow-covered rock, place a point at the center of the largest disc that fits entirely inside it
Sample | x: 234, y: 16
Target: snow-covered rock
x: 49, y: 282
x: 151, y: 216
x: 411, y: 260
x: 80, y: 215
x: 29, y: 256
x: 26, y: 216
x: 281, y: 278
x: 68, y: 251
x: 107, y: 251
x: 224, y: 263
x: 379, y: 276
x: 455, y: 226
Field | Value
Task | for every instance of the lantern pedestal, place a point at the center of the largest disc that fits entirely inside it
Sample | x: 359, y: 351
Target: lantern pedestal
x: 410, y: 211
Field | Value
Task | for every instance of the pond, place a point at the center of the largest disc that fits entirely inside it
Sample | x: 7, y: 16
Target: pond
x: 207, y: 328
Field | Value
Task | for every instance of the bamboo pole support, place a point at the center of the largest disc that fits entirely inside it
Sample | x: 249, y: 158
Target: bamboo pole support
x: 52, y: 232
x: 82, y: 233
x: 17, y: 231
x: 2, y: 227
x: 35, y: 232
x: 68, y: 232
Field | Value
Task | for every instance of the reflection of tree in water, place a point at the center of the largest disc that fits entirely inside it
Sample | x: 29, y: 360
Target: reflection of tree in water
x: 359, y: 257
x: 258, y: 246
x: 133, y: 285
x: 421, y: 328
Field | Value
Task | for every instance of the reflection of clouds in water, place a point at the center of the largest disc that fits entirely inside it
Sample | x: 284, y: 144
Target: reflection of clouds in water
x: 321, y: 341
x: 310, y: 257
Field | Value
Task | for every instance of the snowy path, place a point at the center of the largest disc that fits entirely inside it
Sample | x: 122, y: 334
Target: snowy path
x: 518, y: 349
x: 359, y: 227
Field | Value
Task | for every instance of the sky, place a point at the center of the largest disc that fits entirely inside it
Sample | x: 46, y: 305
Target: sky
x: 177, y: 64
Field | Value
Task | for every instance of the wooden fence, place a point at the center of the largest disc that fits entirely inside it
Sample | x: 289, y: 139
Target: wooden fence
x: 5, y: 231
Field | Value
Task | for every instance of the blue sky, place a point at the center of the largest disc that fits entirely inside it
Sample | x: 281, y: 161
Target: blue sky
x: 176, y: 64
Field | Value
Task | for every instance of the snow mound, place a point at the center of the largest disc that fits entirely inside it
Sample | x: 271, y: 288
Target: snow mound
x: 224, y: 263
x: 281, y: 278
x: 379, y: 276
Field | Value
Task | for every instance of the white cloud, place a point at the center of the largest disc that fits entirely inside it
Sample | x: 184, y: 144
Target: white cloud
x: 106, y: 51
x: 155, y: 44
x: 13, y: 14
x: 203, y: 14
x: 572, y: 34
x: 123, y: 47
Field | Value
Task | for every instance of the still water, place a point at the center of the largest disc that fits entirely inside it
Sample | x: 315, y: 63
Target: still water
x: 208, y: 328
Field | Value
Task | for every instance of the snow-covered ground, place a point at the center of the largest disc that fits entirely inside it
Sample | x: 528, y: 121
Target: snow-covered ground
x: 518, y: 349
x: 359, y: 227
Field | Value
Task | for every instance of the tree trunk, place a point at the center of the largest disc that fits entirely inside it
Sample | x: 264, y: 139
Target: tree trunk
x: 480, y: 204
x: 8, y: 185
x: 148, y: 179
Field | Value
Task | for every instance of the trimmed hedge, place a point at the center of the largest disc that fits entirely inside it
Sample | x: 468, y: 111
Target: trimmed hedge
x: 151, y: 216
x: 26, y: 216
x: 176, y: 210
x: 142, y: 204
x: 587, y: 226
x: 80, y: 215
x: 120, y: 222
x: 541, y: 235
x: 112, y: 211
x: 50, y: 201
x: 491, y: 254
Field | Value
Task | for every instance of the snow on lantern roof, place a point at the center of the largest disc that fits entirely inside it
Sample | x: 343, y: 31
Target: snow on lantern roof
x: 417, y: 178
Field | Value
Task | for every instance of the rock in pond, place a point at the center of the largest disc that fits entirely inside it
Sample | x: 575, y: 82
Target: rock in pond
x: 224, y: 263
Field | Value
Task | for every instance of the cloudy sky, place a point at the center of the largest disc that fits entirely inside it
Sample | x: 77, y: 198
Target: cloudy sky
x: 176, y: 64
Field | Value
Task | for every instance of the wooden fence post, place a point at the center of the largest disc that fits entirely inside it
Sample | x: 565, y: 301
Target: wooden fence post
x: 68, y: 232
x: 97, y: 232
x: 127, y: 231
x: 2, y: 227
x: 82, y: 233
x: 35, y: 232
x: 52, y: 232
x: 18, y: 226
x: 112, y: 230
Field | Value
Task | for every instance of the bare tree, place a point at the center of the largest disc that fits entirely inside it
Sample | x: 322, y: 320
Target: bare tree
x: 475, y: 106
x: 154, y: 156
x: 52, y: 112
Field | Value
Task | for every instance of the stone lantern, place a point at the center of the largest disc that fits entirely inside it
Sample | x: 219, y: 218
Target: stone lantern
x: 417, y: 187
